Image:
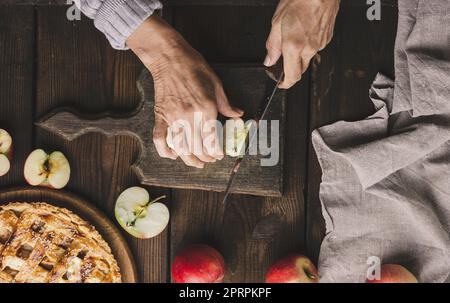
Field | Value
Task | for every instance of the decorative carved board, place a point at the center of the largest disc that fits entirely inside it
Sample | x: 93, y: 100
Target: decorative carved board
x: 86, y: 211
x: 246, y: 87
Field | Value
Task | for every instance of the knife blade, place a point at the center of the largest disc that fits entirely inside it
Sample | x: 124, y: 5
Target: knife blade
x: 276, y: 73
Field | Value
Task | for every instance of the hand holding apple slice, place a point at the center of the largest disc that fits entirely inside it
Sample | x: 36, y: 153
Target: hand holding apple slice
x: 5, y: 152
x: 139, y: 216
x: 49, y: 170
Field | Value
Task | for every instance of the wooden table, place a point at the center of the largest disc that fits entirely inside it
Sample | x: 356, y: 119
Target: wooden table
x: 47, y: 61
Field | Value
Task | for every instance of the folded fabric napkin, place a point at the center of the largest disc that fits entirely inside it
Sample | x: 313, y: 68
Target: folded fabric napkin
x: 385, y: 188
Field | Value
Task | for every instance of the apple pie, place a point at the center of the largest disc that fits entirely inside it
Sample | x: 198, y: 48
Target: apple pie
x: 43, y: 243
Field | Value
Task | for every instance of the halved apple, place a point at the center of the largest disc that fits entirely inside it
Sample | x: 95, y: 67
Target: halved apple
x: 49, y: 170
x: 5, y: 152
x: 236, y: 132
x: 138, y: 215
x: 4, y: 165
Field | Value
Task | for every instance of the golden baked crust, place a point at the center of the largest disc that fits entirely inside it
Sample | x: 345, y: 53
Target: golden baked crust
x: 43, y: 243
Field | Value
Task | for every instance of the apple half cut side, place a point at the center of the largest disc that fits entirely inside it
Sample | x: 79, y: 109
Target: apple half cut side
x: 236, y: 133
x: 5, y: 152
x: 5, y: 165
x: 139, y: 216
x: 48, y: 170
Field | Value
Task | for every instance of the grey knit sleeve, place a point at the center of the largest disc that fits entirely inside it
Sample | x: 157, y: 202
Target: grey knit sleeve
x: 118, y: 19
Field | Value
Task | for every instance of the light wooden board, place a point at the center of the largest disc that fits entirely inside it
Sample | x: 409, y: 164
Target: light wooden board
x: 86, y: 211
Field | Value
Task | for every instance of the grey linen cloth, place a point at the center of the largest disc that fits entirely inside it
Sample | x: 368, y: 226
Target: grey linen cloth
x: 385, y: 188
x: 118, y: 19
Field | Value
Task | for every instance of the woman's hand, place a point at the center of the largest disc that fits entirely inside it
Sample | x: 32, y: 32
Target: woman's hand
x: 186, y: 90
x: 300, y: 28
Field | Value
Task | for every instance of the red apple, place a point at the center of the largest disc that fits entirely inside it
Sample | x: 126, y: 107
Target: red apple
x: 198, y: 264
x: 293, y: 269
x: 393, y: 273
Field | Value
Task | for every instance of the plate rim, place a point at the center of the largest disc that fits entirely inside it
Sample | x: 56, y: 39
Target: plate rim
x: 74, y: 202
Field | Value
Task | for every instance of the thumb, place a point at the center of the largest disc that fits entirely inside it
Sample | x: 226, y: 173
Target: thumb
x: 273, y: 46
x: 225, y: 108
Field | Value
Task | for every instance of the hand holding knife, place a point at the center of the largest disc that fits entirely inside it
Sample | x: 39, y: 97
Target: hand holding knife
x: 276, y: 73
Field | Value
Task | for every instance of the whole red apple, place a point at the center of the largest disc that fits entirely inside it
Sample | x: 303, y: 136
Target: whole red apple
x: 393, y: 273
x: 293, y: 269
x: 198, y: 264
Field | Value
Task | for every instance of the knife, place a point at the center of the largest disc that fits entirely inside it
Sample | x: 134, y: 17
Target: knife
x: 276, y: 73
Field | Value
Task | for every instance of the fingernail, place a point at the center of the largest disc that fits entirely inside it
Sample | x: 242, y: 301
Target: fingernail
x: 238, y: 110
x: 267, y: 61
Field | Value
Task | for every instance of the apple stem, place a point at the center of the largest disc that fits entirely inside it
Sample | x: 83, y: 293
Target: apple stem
x: 148, y: 204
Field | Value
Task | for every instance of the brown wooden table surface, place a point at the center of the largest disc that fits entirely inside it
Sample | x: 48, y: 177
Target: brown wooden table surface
x: 47, y: 61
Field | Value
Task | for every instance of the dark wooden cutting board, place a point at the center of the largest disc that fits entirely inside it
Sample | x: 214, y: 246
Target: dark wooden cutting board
x: 86, y: 211
x: 246, y: 87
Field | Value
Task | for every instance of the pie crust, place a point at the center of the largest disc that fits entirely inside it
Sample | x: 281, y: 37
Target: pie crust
x: 41, y: 243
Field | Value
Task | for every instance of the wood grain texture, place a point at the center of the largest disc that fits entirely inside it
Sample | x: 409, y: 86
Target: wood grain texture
x: 246, y: 85
x: 166, y: 2
x: 197, y: 2
x: 86, y: 211
x: 251, y: 232
x: 341, y: 78
x: 240, y: 38
x: 16, y: 85
x: 261, y: 2
x: 77, y: 67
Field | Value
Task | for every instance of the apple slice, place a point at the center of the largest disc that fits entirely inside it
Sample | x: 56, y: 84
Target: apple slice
x: 236, y: 132
x: 42, y: 169
x: 4, y: 165
x: 5, y: 152
x: 5, y: 143
x: 139, y: 216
